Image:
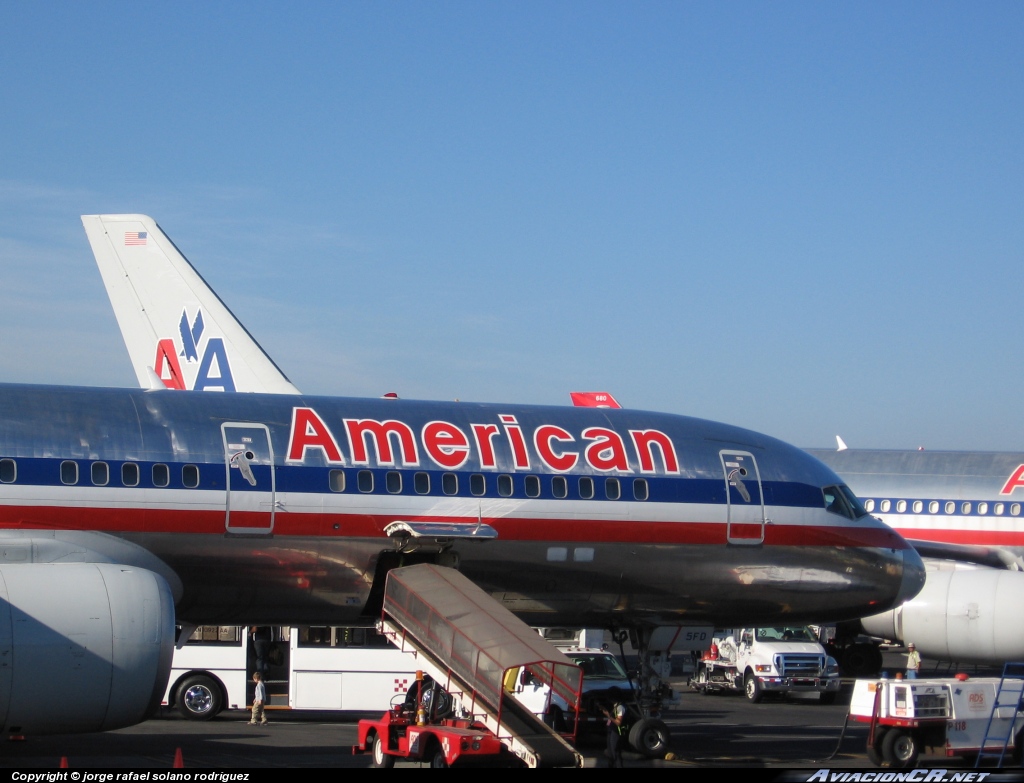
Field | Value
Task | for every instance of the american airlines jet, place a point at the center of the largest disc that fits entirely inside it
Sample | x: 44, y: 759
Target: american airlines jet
x: 964, y: 512
x: 125, y: 511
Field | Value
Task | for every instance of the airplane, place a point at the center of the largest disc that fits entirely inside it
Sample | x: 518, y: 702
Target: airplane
x: 962, y: 512
x: 126, y: 511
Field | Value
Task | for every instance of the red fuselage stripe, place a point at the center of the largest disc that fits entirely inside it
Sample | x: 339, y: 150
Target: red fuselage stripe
x: 212, y: 522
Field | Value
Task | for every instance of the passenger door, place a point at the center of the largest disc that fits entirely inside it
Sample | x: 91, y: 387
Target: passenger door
x: 249, y: 462
x: 744, y: 499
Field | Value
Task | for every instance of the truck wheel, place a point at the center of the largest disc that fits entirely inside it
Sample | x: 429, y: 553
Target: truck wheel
x: 875, y: 751
x: 752, y: 688
x: 381, y: 760
x: 649, y: 737
x: 900, y: 749
x: 199, y: 698
x: 438, y: 760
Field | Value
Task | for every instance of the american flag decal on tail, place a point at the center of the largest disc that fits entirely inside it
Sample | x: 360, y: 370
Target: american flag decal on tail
x: 135, y: 238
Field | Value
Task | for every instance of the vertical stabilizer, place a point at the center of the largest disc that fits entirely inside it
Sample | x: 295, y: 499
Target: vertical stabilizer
x: 174, y: 325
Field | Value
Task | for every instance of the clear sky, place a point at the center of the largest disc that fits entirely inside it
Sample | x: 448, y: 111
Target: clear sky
x: 802, y: 218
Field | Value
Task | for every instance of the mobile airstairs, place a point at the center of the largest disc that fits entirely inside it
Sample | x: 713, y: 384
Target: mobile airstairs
x: 471, y: 646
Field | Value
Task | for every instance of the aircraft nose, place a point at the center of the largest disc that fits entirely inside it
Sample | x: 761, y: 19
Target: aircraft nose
x: 913, y: 576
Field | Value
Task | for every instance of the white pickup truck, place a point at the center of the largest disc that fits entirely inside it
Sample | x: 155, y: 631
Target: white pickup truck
x: 605, y: 682
x: 785, y: 659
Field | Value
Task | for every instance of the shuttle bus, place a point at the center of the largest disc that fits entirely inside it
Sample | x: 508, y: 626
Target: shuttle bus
x: 310, y: 667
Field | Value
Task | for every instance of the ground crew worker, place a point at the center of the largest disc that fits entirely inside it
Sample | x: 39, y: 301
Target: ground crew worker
x: 616, y: 720
x: 913, y: 662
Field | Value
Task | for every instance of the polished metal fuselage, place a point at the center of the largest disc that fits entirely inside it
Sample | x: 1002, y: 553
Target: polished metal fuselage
x: 286, y: 520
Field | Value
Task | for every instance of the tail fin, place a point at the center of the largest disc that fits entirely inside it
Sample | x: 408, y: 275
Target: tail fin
x: 174, y: 325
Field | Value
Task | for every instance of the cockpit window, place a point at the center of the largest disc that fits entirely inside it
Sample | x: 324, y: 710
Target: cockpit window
x: 841, y: 500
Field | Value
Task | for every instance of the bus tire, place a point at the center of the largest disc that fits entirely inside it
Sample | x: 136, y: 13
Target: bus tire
x: 199, y: 698
x: 381, y: 760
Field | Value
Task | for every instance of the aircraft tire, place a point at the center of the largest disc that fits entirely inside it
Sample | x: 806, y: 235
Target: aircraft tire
x: 650, y: 738
x: 199, y: 698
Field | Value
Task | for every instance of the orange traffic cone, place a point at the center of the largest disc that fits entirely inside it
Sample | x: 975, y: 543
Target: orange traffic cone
x: 179, y: 762
x: 63, y: 762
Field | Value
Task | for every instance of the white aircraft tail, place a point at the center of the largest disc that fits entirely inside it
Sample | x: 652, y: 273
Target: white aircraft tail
x: 177, y: 330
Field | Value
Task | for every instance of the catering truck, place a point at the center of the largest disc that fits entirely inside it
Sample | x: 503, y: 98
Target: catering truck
x: 756, y: 661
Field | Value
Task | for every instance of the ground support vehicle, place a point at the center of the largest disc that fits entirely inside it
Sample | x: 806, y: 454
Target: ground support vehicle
x: 472, y: 648
x: 605, y: 682
x: 962, y: 716
x: 768, y: 660
x: 308, y: 667
x: 422, y: 727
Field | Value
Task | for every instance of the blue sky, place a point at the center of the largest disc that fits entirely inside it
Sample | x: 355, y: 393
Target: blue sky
x: 802, y: 218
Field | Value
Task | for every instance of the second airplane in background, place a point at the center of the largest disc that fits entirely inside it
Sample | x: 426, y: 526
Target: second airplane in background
x: 964, y: 513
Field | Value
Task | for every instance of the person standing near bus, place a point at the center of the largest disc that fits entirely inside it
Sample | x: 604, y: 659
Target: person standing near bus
x: 258, y: 701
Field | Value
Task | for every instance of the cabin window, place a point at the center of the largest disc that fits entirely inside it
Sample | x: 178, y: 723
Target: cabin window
x: 8, y: 471
x: 161, y: 475
x: 886, y: 505
x: 901, y: 506
x: 505, y: 485
x: 337, y: 480
x: 640, y: 490
x: 918, y: 506
x: 869, y: 505
x: 421, y: 483
x: 612, y: 489
x: 998, y: 509
x: 533, y: 486
x: 583, y: 554
x: 69, y: 472
x: 477, y: 484
x: 1015, y: 509
x: 966, y: 508
x: 449, y: 483
x: 100, y: 474
x: 559, y: 487
x: 393, y: 481
x: 586, y: 487
x: 190, y: 476
x: 130, y: 474
x: 558, y: 554
x: 364, y: 480
x: 983, y: 508
x: 933, y: 507
x: 950, y: 507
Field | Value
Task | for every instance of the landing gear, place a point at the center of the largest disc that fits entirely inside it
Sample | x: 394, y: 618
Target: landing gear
x: 648, y: 735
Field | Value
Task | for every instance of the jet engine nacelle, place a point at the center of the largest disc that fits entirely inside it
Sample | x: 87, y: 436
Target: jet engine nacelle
x: 961, y: 615
x: 83, y: 646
